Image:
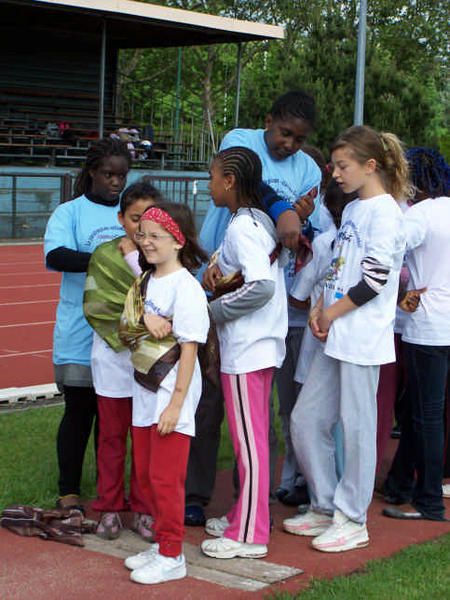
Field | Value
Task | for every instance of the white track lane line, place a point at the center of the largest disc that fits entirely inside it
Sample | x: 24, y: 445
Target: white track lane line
x: 28, y: 302
x: 36, y: 352
x: 25, y: 262
x: 2, y: 274
x: 27, y: 324
x: 17, y: 287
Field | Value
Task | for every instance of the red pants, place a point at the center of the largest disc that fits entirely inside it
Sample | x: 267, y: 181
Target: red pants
x: 114, y: 424
x: 161, y: 465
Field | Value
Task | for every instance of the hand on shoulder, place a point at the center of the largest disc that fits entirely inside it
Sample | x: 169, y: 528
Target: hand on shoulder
x: 126, y: 246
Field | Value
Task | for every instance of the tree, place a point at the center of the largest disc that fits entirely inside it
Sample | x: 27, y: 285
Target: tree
x: 406, y: 68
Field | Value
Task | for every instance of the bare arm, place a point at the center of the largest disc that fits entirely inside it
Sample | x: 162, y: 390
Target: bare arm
x: 170, y: 415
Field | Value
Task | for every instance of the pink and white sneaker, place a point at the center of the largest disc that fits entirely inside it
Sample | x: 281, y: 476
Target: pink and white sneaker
x: 310, y: 523
x: 344, y: 534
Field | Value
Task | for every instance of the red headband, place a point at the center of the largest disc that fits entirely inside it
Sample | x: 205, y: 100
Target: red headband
x: 157, y: 215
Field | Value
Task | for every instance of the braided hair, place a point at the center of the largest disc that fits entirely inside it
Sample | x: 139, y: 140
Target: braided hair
x: 96, y: 153
x: 430, y: 173
x: 246, y: 167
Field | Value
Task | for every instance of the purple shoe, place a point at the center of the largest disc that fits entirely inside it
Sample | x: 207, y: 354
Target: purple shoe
x: 142, y: 525
x: 109, y: 526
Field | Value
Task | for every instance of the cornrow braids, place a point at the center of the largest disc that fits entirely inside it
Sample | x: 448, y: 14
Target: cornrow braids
x: 430, y: 173
x: 246, y: 167
x: 142, y: 189
x: 296, y: 103
x: 97, y: 152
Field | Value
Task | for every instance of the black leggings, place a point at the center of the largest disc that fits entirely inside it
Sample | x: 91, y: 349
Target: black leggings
x: 73, y: 435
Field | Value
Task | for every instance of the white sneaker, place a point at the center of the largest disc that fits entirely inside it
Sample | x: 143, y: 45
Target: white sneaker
x: 344, y: 534
x: 139, y: 560
x: 446, y: 490
x: 216, y: 526
x: 226, y: 548
x: 310, y: 523
x: 159, y: 569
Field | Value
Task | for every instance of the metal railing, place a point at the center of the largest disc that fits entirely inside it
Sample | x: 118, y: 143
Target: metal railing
x: 27, y: 199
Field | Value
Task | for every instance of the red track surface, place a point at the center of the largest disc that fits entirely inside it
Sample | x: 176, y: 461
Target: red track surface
x: 28, y: 300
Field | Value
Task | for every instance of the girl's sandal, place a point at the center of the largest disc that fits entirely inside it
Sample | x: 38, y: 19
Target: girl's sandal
x: 70, y: 501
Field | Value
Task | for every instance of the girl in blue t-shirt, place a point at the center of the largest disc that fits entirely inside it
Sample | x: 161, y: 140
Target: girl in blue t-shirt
x: 73, y: 232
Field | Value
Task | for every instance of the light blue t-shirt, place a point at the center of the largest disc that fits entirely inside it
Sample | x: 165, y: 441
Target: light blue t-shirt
x: 79, y: 225
x: 291, y: 178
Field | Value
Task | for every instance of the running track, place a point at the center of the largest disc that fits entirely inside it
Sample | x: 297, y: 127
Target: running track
x: 28, y: 300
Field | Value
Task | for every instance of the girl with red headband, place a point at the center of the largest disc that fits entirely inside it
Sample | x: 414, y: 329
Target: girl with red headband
x: 165, y: 318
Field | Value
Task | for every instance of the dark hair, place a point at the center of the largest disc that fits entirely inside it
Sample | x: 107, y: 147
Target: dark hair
x: 365, y: 143
x: 296, y: 103
x: 191, y: 255
x: 96, y: 153
x: 430, y: 173
x: 143, y: 189
x: 246, y: 167
x: 336, y: 200
x: 320, y: 161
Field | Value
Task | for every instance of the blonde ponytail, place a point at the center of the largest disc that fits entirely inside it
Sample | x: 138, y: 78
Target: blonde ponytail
x: 395, y: 168
x: 386, y: 149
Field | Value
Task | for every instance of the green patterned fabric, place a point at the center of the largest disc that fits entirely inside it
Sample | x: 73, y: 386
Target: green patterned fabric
x: 107, y: 283
x: 152, y: 359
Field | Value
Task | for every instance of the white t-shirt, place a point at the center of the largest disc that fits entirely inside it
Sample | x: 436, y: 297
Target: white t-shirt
x: 256, y: 340
x: 401, y: 315
x: 427, y: 229
x: 291, y: 179
x: 370, y: 228
x: 309, y: 284
x: 112, y: 372
x: 178, y: 296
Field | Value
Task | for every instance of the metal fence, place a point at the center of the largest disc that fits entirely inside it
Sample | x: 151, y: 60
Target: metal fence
x: 27, y: 199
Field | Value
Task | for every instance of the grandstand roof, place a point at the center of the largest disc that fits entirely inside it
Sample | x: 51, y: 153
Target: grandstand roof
x: 138, y: 24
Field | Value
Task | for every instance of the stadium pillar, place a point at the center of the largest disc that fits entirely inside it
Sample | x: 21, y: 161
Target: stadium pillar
x: 178, y: 95
x: 238, y: 84
x: 360, y: 65
x: 101, y: 105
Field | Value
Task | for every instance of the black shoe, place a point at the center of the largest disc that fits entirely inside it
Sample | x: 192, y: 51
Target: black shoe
x: 299, y: 495
x: 194, y: 516
x: 280, y: 493
x: 396, y: 433
x: 396, y: 513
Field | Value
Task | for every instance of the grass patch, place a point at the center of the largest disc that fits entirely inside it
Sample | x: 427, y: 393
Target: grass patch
x: 417, y: 573
x: 28, y: 463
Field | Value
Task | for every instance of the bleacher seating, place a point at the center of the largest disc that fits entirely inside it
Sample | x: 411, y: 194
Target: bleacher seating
x: 24, y: 138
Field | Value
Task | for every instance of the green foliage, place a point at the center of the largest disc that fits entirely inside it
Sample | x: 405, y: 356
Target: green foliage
x: 406, y: 69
